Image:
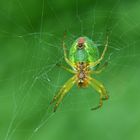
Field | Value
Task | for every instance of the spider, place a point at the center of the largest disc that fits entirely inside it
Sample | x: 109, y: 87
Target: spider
x: 83, y: 59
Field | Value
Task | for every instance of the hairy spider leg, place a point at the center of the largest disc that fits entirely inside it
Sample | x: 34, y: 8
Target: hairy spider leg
x: 67, y: 69
x: 99, y: 70
x: 93, y: 64
x: 100, y: 89
x: 65, y: 88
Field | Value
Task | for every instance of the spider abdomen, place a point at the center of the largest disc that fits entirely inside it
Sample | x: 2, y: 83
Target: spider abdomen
x: 81, y: 56
x: 83, y: 50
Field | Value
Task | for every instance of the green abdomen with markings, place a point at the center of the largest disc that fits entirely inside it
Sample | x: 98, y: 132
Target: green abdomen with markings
x: 86, y: 53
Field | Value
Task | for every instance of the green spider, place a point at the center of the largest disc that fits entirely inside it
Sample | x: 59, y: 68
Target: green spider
x: 83, y: 58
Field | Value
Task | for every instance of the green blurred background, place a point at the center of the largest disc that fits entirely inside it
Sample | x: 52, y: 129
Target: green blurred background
x: 31, y: 34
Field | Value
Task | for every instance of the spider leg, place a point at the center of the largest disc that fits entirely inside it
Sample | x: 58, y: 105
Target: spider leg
x: 93, y: 64
x: 99, y: 87
x: 99, y: 70
x: 65, y: 54
x: 65, y: 68
x: 58, y: 98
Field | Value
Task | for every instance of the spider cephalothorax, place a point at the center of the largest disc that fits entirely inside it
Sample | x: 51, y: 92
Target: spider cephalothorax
x: 83, y: 58
x: 82, y: 74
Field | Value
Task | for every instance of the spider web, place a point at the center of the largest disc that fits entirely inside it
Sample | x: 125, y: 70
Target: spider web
x: 32, y: 46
